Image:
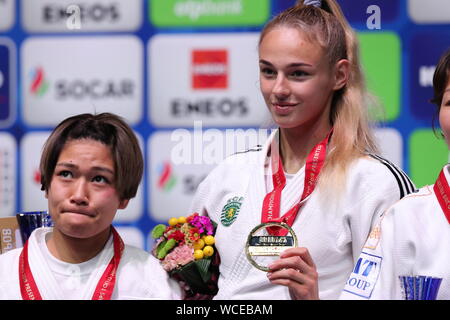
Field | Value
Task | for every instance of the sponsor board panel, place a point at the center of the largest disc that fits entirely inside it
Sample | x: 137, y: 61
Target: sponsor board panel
x: 381, y: 62
x: 62, y: 77
x: 390, y: 142
x: 8, y: 174
x: 433, y: 12
x: 208, y: 13
x: 171, y: 186
x: 81, y: 16
x: 7, y: 14
x: 33, y: 198
x: 364, y: 11
x: 427, y: 155
x: 212, y: 78
x: 7, y: 82
x: 131, y: 236
x: 422, y: 66
x: 181, y: 159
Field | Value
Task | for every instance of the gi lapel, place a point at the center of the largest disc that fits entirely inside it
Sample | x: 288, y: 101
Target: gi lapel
x: 105, y: 257
x: 45, y: 281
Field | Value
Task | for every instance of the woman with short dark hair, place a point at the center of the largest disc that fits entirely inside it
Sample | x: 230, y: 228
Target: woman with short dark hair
x: 91, y: 166
x: 407, y: 255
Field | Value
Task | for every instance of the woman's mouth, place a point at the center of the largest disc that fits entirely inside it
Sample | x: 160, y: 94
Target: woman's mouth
x: 283, y: 108
x: 75, y: 211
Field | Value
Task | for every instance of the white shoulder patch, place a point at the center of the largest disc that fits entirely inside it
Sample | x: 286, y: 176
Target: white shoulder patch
x: 364, y: 276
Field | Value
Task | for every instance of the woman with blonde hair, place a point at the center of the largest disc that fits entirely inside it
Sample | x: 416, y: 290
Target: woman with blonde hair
x: 318, y: 173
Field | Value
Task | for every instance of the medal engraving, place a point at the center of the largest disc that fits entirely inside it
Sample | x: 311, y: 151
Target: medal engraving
x: 268, y: 245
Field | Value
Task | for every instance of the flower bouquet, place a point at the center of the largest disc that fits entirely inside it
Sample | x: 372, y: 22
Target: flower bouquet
x: 186, y: 250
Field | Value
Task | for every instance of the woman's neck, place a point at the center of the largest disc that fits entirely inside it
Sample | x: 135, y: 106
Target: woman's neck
x: 297, y: 143
x: 76, y: 250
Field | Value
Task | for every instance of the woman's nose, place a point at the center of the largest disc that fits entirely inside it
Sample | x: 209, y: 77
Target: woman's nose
x: 281, y: 87
x: 80, y: 194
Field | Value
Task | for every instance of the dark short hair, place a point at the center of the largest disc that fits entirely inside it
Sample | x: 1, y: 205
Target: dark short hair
x: 107, y: 128
x: 440, y: 80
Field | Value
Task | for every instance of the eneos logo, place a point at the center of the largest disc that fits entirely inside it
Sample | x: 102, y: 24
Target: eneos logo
x: 39, y: 85
x: 96, y: 12
x: 81, y: 16
x: 209, y: 69
x: 218, y: 86
x: 166, y: 180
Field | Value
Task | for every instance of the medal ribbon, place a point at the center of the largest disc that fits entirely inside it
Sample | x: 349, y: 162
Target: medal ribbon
x: 272, y: 201
x: 104, y: 288
x: 442, y: 192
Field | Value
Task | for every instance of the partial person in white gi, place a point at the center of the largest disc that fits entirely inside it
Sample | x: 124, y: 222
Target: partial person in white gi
x: 407, y: 255
x: 313, y: 86
x: 91, y: 166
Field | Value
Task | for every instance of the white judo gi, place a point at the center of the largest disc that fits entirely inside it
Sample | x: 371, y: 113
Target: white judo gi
x: 412, y: 239
x: 139, y: 275
x: 334, y: 232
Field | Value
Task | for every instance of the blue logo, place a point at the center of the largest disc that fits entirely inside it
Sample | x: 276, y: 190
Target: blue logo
x: 5, y: 85
x: 422, y: 65
x: 356, y: 11
x: 364, y: 276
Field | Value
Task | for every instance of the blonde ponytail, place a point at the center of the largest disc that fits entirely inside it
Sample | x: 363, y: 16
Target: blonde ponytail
x: 352, y: 135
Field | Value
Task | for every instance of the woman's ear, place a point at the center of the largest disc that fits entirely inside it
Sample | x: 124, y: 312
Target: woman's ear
x: 341, y: 74
x: 123, y: 203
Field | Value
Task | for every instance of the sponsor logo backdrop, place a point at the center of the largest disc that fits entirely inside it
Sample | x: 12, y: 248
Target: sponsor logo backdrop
x: 184, y: 74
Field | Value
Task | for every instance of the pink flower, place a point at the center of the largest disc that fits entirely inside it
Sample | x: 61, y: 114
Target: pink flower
x: 179, y: 256
x: 202, y: 223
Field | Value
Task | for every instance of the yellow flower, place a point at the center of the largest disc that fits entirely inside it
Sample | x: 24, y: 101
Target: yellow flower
x: 198, y: 254
x: 173, y: 221
x: 209, y: 240
x: 199, y: 244
x: 208, y: 251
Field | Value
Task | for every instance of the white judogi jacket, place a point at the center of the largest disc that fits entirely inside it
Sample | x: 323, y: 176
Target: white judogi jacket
x: 412, y: 239
x: 139, y: 275
x: 333, y: 231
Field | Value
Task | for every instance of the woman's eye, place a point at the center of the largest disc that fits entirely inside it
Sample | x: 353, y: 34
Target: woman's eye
x: 65, y: 174
x: 267, y: 72
x: 100, y: 179
x: 298, y: 74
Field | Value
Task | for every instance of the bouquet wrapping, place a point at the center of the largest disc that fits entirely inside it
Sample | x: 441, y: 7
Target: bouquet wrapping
x: 186, y: 250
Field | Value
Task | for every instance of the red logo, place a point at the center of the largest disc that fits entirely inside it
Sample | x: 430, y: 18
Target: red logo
x: 209, y: 69
x: 37, y: 176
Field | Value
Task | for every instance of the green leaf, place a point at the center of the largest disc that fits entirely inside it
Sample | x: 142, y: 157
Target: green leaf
x: 160, y: 252
x: 158, y: 231
x: 170, y: 244
x: 203, y: 268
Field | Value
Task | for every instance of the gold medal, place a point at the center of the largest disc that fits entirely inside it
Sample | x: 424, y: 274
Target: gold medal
x: 268, y: 245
